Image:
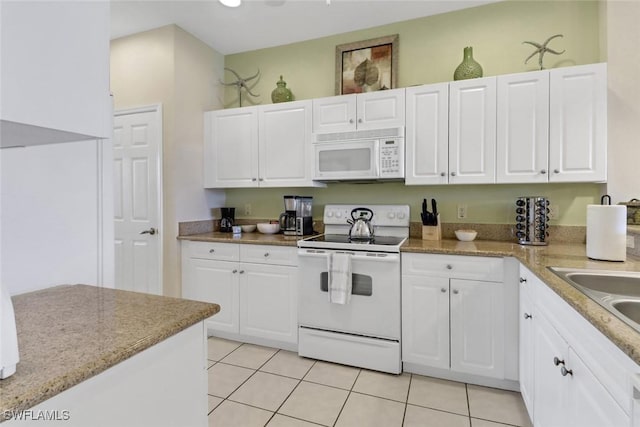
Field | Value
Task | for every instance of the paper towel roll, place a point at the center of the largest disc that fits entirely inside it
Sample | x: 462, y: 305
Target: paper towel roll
x: 607, y: 232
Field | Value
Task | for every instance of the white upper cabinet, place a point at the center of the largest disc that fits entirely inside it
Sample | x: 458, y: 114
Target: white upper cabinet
x: 472, y: 131
x: 54, y: 54
x: 427, y: 135
x: 578, y: 124
x: 231, y: 148
x: 373, y: 110
x: 265, y: 146
x: 523, y: 128
x: 284, y: 136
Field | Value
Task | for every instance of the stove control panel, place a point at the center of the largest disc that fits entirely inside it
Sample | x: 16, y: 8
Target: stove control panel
x: 383, y: 215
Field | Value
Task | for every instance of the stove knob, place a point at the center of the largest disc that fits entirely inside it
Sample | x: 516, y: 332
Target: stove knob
x: 338, y: 214
x: 401, y: 215
x: 329, y: 214
x: 392, y: 215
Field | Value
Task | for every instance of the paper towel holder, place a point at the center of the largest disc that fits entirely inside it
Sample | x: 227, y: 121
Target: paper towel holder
x: 606, y: 196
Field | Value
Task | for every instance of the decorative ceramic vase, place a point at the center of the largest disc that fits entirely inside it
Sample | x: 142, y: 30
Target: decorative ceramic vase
x: 468, y: 68
x: 281, y: 93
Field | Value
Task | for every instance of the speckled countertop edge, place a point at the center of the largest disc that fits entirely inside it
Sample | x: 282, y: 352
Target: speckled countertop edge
x: 535, y: 258
x: 47, y: 319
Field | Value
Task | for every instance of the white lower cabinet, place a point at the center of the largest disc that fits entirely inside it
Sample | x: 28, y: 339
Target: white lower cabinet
x: 454, y: 312
x: 255, y: 286
x: 570, y: 374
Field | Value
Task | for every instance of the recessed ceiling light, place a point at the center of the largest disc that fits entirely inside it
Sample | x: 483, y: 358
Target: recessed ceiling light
x: 231, y: 3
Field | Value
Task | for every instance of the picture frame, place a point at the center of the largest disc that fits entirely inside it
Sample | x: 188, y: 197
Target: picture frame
x: 367, y: 65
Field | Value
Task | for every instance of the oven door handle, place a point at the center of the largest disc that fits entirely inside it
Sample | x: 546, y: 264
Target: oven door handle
x: 365, y: 256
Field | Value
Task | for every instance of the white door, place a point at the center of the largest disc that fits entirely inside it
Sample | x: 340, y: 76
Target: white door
x: 231, y: 148
x: 578, y: 123
x: 477, y: 327
x: 472, y: 131
x: 526, y: 349
x: 137, y: 144
x: 425, y: 321
x: 523, y: 128
x: 286, y: 154
x: 427, y: 135
x: 381, y: 109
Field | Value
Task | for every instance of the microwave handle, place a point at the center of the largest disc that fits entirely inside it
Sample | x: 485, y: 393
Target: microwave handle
x: 376, y: 158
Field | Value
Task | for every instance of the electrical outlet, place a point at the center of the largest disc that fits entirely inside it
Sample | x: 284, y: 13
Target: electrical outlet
x: 462, y: 211
x: 247, y: 209
x: 554, y: 212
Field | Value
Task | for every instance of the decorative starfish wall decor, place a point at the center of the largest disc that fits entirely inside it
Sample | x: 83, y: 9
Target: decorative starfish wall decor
x: 241, y: 83
x: 541, y: 49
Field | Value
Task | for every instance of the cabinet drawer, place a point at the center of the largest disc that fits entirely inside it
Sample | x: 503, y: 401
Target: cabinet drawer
x: 265, y: 254
x: 458, y: 266
x: 213, y: 250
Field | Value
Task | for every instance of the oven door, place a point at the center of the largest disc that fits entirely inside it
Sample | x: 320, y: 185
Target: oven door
x: 374, y: 309
x: 354, y: 160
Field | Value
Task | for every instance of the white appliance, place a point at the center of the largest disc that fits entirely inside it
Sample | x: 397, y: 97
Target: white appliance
x: 9, y: 355
x: 364, y: 332
x: 367, y: 155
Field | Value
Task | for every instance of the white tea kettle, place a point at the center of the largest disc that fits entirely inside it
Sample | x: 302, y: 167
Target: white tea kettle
x: 9, y: 355
x: 361, y: 226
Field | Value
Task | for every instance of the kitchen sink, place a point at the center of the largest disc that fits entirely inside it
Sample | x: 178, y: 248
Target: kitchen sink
x: 616, y: 291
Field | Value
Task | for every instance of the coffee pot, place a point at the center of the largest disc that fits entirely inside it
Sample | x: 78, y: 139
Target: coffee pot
x: 227, y: 219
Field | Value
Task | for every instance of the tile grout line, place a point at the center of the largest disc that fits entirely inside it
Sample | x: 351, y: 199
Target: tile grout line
x: 406, y: 402
x: 348, y: 395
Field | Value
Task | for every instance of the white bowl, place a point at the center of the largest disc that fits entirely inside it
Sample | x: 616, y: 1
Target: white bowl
x: 250, y: 228
x: 466, y: 235
x: 267, y: 228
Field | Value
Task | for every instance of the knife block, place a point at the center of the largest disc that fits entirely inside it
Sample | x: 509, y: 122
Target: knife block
x: 432, y: 232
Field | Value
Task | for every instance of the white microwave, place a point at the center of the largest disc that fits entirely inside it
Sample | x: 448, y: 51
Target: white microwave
x: 360, y: 155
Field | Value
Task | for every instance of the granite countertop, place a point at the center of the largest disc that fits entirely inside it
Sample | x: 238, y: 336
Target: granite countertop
x: 70, y: 333
x: 536, y: 258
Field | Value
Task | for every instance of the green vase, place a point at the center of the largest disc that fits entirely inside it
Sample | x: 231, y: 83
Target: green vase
x: 281, y: 93
x: 468, y: 68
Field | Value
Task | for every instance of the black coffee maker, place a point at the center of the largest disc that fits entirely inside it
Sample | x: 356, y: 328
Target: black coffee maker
x: 227, y: 217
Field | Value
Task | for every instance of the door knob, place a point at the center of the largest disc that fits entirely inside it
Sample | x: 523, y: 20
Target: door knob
x: 151, y: 231
x: 527, y: 316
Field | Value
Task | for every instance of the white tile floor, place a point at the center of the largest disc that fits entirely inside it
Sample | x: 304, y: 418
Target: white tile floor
x: 251, y: 385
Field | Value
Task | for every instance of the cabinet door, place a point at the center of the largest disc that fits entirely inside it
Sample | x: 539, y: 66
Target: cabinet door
x: 231, y: 148
x: 217, y: 282
x: 550, y: 387
x: 523, y: 128
x: 286, y: 155
x: 472, y: 131
x: 425, y: 320
x: 477, y: 327
x: 269, y: 301
x: 334, y: 114
x: 578, y: 124
x: 526, y: 350
x: 427, y: 135
x: 55, y: 70
x: 590, y: 405
x: 381, y: 109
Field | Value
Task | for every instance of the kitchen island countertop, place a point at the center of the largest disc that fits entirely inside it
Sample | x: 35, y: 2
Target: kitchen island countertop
x: 70, y: 333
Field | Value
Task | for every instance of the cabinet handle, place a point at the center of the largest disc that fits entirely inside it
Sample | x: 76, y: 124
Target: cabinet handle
x: 527, y: 316
x: 359, y: 120
x: 557, y: 361
x: 564, y: 371
x: 443, y: 290
x: 456, y: 292
x: 253, y: 179
x: 241, y: 271
x: 261, y: 179
x: 234, y: 271
x: 556, y: 171
x: 523, y: 280
x: 211, y: 251
x: 543, y: 171
x: 453, y: 174
x: 266, y: 254
x: 350, y: 121
x: 443, y: 174
x: 449, y: 267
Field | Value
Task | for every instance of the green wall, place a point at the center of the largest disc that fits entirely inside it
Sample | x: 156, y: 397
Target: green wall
x: 429, y: 51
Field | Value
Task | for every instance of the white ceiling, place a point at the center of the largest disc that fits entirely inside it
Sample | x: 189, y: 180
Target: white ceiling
x: 258, y: 24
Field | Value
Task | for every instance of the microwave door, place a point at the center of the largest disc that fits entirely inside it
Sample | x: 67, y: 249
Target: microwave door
x: 346, y: 160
